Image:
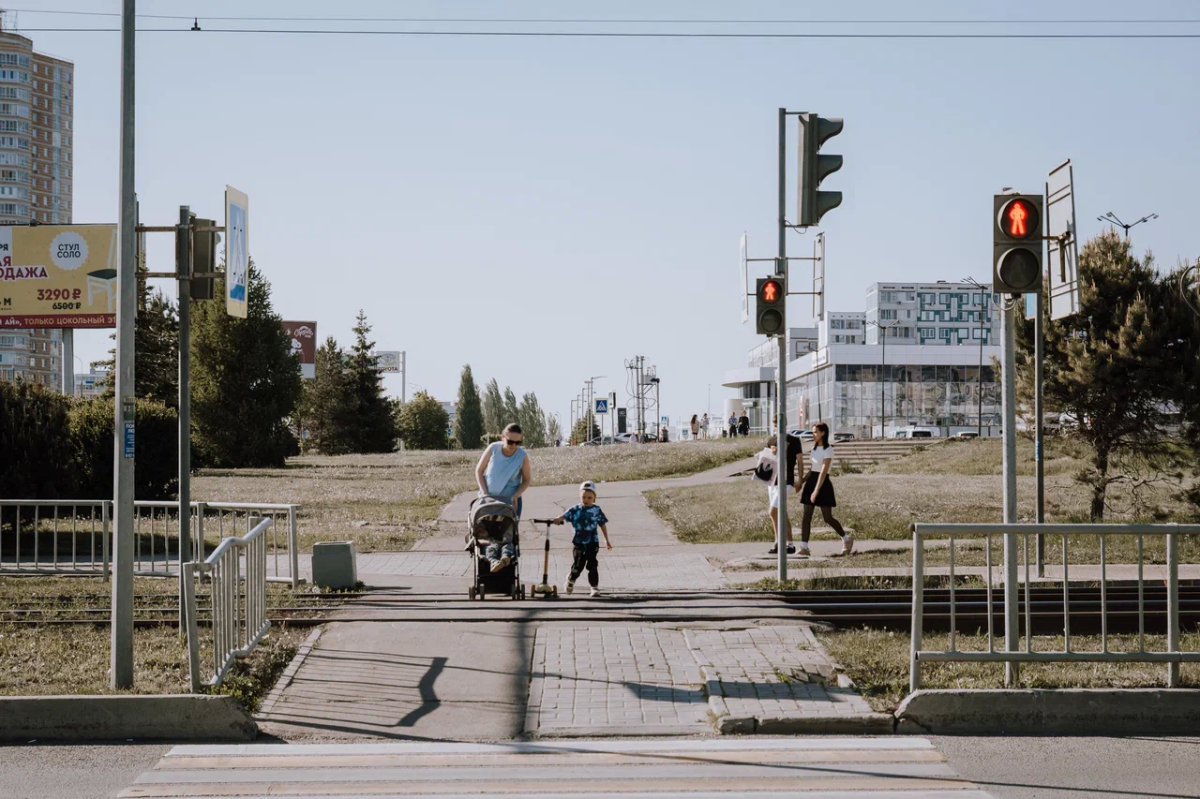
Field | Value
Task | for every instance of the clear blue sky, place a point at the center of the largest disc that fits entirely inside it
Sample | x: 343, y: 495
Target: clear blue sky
x: 546, y: 208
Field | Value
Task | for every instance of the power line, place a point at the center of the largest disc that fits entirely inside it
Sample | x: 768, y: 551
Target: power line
x: 629, y: 34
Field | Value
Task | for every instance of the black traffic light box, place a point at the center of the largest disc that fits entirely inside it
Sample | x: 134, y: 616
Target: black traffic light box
x: 814, y: 167
x: 204, y: 260
x: 1017, y: 221
x: 770, y: 294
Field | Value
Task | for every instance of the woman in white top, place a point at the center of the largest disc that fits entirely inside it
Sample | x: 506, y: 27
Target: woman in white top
x: 818, y: 491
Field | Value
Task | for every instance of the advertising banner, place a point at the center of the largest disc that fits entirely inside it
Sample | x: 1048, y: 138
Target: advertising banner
x: 388, y: 361
x: 58, y: 276
x: 303, y: 336
x: 237, y: 251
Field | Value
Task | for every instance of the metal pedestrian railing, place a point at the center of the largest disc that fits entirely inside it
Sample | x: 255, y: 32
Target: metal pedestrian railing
x: 237, y: 570
x: 75, y: 536
x: 1172, y: 655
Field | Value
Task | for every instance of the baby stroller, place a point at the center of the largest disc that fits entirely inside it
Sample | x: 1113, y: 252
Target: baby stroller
x: 493, y: 520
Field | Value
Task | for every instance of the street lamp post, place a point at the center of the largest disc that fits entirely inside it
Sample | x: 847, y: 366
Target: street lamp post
x: 983, y: 300
x: 883, y: 329
x: 1112, y: 218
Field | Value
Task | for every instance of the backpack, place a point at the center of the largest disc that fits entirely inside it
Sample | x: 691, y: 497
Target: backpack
x: 764, y: 470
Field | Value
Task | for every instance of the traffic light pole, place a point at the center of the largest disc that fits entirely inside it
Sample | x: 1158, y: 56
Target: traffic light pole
x: 183, y: 268
x: 781, y: 269
x: 1011, y: 589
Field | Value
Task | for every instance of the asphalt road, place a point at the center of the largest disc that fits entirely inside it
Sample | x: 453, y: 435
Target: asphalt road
x: 1009, y: 767
x: 73, y: 771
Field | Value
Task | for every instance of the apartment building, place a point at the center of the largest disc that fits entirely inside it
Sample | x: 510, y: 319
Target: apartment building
x: 931, y: 313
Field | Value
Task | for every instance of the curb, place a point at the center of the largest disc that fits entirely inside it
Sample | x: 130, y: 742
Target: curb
x: 124, y: 717
x: 1062, y: 711
x: 288, y: 676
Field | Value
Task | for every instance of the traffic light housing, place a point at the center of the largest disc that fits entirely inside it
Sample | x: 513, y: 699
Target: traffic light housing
x: 770, y: 295
x: 204, y: 259
x: 1017, y: 223
x: 815, y: 167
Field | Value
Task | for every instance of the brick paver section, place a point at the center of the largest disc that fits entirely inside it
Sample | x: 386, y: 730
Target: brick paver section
x: 615, y: 680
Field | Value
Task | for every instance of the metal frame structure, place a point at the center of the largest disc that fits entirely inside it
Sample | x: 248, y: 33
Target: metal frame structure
x: 1012, y: 655
x: 239, y: 617
x: 99, y: 561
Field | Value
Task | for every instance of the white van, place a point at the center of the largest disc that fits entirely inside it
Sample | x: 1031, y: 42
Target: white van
x: 917, y: 432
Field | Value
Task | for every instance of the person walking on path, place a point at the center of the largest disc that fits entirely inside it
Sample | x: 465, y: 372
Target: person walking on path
x: 695, y: 428
x: 733, y: 425
x: 704, y: 427
x: 768, y: 460
x: 817, y: 491
x: 504, y: 472
x: 586, y: 518
x: 743, y: 425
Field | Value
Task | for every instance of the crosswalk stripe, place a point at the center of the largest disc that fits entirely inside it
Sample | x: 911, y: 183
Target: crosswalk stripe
x: 814, y: 768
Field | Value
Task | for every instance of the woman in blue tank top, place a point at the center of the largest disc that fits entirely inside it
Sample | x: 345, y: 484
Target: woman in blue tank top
x: 503, y: 471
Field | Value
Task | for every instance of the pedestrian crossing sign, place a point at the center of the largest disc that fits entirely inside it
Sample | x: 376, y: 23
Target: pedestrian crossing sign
x: 602, y: 405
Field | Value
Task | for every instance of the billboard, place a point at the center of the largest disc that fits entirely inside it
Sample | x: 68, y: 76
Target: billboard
x: 388, y: 361
x: 58, y: 276
x: 237, y: 251
x: 303, y: 338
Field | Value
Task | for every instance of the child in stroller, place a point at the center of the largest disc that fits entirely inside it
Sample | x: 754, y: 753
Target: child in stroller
x: 494, y: 543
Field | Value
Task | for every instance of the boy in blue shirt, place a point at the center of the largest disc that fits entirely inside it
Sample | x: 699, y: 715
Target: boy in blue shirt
x: 586, y: 518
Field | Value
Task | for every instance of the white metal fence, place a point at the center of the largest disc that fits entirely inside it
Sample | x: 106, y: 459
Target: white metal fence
x: 1171, y: 655
x: 33, y: 534
x: 237, y: 571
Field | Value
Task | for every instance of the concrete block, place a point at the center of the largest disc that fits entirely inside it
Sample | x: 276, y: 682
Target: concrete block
x: 735, y: 725
x: 827, y: 724
x: 1066, y: 711
x: 107, y: 718
x: 334, y: 564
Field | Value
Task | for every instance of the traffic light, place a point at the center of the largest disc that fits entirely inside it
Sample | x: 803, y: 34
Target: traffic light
x: 768, y: 314
x: 204, y: 259
x: 1017, y: 243
x: 814, y: 168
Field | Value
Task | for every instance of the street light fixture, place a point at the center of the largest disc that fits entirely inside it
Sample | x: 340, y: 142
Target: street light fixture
x: 984, y: 292
x: 883, y: 329
x: 1111, y: 218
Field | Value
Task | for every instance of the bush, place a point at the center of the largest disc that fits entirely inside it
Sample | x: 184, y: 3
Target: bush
x: 156, y: 472
x: 37, y: 454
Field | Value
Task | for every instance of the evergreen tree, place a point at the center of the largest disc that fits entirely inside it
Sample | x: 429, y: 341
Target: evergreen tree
x: 493, y: 410
x: 512, y: 411
x: 421, y: 423
x: 579, y: 433
x: 553, y: 429
x: 245, y: 381
x: 374, y: 423
x: 156, y: 353
x: 532, y: 421
x: 1110, y: 366
x: 468, y: 419
x: 327, y: 410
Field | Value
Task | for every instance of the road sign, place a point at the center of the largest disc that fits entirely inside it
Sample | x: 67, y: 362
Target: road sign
x: 237, y: 251
x: 58, y: 276
x: 666, y: 420
x: 303, y: 339
x: 1063, y: 250
x: 602, y: 405
x: 745, y: 282
x: 388, y: 361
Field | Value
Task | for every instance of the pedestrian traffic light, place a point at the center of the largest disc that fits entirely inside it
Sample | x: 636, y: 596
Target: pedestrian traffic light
x: 771, y: 295
x: 1017, y: 243
x: 814, y: 168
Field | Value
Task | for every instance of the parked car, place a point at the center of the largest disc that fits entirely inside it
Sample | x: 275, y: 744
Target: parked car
x: 842, y: 437
x: 966, y: 435
x: 803, y: 435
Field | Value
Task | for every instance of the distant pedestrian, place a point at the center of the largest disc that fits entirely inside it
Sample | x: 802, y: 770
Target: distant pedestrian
x: 817, y: 491
x: 695, y: 426
x: 743, y: 425
x: 662, y: 435
x: 704, y: 427
x: 586, y: 518
x: 733, y: 425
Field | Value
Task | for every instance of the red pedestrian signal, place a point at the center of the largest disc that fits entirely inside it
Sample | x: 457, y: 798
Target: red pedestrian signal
x: 769, y: 312
x: 770, y: 291
x: 1019, y: 219
x: 1017, y: 243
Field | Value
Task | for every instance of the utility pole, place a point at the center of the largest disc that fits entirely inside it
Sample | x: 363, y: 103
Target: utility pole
x: 984, y: 293
x: 883, y: 329
x: 121, y: 649
x: 1011, y: 589
x: 183, y: 272
x: 403, y: 377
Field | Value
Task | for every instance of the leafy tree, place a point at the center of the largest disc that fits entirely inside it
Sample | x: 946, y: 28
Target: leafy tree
x: 532, y: 421
x: 156, y: 353
x: 327, y: 410
x: 374, y: 427
x: 512, y: 411
x: 493, y: 410
x: 245, y: 381
x: 553, y: 429
x: 1110, y: 364
x: 422, y: 422
x: 468, y: 420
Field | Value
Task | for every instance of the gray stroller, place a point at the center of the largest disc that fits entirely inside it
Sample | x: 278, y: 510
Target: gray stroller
x: 492, y: 520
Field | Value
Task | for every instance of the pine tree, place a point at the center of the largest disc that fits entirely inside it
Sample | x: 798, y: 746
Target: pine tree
x: 553, y: 429
x: 421, y: 423
x: 245, y: 381
x: 512, y: 411
x: 327, y: 409
x: 156, y: 350
x: 1109, y: 365
x: 493, y: 410
x: 375, y: 427
x: 579, y: 433
x: 532, y: 421
x: 468, y: 419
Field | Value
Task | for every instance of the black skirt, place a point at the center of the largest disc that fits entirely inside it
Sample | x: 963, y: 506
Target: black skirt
x: 825, y: 498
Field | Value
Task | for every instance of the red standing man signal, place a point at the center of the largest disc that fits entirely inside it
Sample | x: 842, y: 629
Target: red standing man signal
x: 1018, y: 214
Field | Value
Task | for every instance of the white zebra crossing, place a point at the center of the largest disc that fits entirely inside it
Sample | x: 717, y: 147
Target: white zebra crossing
x: 814, y: 768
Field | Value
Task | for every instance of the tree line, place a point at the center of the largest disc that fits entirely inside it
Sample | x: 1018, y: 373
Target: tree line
x: 480, y: 418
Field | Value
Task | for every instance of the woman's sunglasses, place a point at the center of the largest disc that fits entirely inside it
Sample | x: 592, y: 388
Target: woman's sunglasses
x: 510, y: 442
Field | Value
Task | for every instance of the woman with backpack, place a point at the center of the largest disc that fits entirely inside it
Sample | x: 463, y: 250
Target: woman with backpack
x: 767, y: 471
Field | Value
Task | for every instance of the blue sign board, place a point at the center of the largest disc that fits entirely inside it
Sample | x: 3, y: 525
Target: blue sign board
x: 129, y: 439
x: 602, y: 405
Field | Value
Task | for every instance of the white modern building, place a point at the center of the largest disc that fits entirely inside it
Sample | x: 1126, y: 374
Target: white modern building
x: 756, y: 383
x: 931, y: 313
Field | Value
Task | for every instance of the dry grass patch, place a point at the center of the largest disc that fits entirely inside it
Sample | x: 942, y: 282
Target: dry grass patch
x: 389, y: 502
x: 878, y: 662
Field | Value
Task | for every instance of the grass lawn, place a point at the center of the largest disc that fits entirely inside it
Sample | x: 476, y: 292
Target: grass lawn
x: 389, y: 502
x: 877, y: 661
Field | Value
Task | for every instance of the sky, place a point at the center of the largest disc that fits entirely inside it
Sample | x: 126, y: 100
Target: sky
x: 545, y: 209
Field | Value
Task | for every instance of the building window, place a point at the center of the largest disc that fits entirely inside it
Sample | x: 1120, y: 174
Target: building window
x: 887, y: 313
